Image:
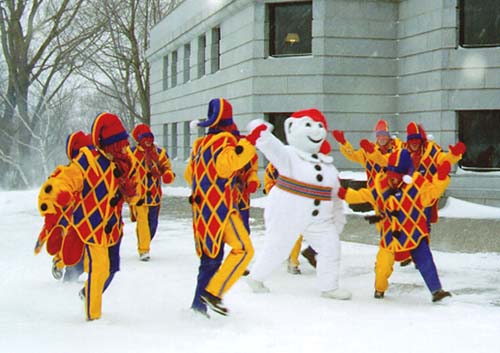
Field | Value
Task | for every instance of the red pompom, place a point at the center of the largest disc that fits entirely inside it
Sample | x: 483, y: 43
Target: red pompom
x: 252, y: 186
x: 338, y: 135
x: 63, y: 198
x: 168, y: 178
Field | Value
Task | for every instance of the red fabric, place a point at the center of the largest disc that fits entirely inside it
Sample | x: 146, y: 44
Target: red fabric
x: 51, y: 220
x: 402, y: 256
x: 443, y: 170
x: 341, y: 193
x: 168, y: 178
x: 105, y: 127
x: 255, y: 134
x: 252, y: 187
x: 54, y: 241
x: 72, y: 248
x: 458, y: 149
x: 367, y: 145
x: 338, y: 135
x: 63, y: 198
x: 139, y: 130
x: 313, y: 113
x: 382, y: 126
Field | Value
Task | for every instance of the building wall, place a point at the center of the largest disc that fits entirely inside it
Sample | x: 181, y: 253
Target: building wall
x: 371, y: 59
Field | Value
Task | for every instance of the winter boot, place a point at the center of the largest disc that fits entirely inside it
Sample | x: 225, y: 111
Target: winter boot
x: 81, y: 294
x: 257, y: 286
x: 440, y: 294
x: 144, y: 257
x: 57, y: 270
x: 214, y: 303
x: 246, y: 272
x: 310, y: 255
x: 378, y: 295
x: 405, y: 262
x: 293, y: 269
x: 339, y: 294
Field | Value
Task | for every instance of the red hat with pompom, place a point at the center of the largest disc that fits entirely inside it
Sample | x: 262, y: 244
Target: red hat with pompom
x: 317, y: 116
x: 108, y: 132
x: 141, y: 131
x: 413, y: 131
x: 75, y: 142
x: 382, y: 128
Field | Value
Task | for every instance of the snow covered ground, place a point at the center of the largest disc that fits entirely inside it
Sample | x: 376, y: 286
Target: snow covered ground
x: 146, y: 309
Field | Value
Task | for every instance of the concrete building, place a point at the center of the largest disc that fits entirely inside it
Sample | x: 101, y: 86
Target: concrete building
x: 433, y: 61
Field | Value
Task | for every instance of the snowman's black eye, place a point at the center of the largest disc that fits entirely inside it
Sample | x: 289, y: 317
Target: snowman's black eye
x: 308, y: 124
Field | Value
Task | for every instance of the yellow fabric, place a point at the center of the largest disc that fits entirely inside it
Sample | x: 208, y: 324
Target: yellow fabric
x: 236, y: 236
x: 358, y: 156
x: 383, y: 269
x: 96, y: 264
x: 270, y: 176
x: 294, y: 254
x: 245, y: 176
x: 142, y: 230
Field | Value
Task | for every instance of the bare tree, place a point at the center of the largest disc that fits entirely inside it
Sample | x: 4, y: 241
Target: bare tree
x: 41, y: 44
x: 120, y: 70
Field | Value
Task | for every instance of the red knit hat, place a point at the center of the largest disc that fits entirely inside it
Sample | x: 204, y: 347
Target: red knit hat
x: 75, y: 141
x: 382, y: 128
x: 107, y: 130
x: 413, y: 131
x: 141, y: 131
x: 317, y: 116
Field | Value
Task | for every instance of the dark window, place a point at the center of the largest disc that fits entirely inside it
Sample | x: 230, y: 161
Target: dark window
x: 165, y: 136
x: 215, y: 49
x: 173, y: 69
x: 290, y: 31
x: 165, y: 72
x: 478, y: 129
x: 173, y: 141
x: 278, y: 121
x: 479, y: 23
x: 187, y: 62
x: 202, y: 43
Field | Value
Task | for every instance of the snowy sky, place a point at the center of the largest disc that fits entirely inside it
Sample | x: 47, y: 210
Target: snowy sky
x: 146, y: 309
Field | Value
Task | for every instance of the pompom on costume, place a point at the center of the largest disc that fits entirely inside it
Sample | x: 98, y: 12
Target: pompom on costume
x: 152, y: 166
x: 401, y: 201
x: 102, y: 179
x: 303, y: 201
x: 215, y: 161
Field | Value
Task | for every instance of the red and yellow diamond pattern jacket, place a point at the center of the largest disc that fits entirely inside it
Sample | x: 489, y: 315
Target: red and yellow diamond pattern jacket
x: 211, y: 172
x: 149, y: 175
x: 404, y: 222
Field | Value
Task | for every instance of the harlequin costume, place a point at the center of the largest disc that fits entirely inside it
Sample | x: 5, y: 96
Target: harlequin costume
x: 153, y: 167
x: 215, y: 160
x: 57, y: 224
x: 247, y: 183
x: 402, y: 203
x: 303, y: 201
x: 426, y: 158
x: 102, y: 177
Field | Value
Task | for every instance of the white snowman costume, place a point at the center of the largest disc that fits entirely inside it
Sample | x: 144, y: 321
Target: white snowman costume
x: 304, y: 202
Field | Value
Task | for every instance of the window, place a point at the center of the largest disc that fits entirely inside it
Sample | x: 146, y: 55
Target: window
x: 202, y: 43
x: 290, y: 28
x: 187, y: 62
x: 278, y: 121
x: 165, y: 72
x: 173, y: 141
x: 215, y: 49
x: 478, y: 129
x: 479, y: 23
x: 173, y: 69
x: 165, y: 136
x: 187, y: 140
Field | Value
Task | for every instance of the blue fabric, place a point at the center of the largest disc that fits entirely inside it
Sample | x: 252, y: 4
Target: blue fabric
x: 208, y: 268
x: 422, y: 257
x: 114, y: 263
x: 153, y: 215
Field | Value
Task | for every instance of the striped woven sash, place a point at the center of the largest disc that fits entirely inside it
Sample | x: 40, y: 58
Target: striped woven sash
x: 296, y: 187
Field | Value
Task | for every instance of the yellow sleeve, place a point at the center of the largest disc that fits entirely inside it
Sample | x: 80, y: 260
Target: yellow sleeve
x: 234, y: 157
x: 357, y: 156
x: 69, y: 179
x: 431, y: 192
x: 165, y: 164
x: 269, y: 179
x: 359, y: 196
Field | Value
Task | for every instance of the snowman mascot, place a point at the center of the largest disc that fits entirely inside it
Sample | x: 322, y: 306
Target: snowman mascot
x: 303, y: 201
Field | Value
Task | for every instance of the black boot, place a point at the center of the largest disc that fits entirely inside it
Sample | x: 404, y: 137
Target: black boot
x: 310, y: 255
x: 440, y: 294
x: 378, y: 295
x: 214, y: 303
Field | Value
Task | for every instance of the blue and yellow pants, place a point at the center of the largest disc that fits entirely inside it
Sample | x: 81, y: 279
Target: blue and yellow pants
x: 147, y: 223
